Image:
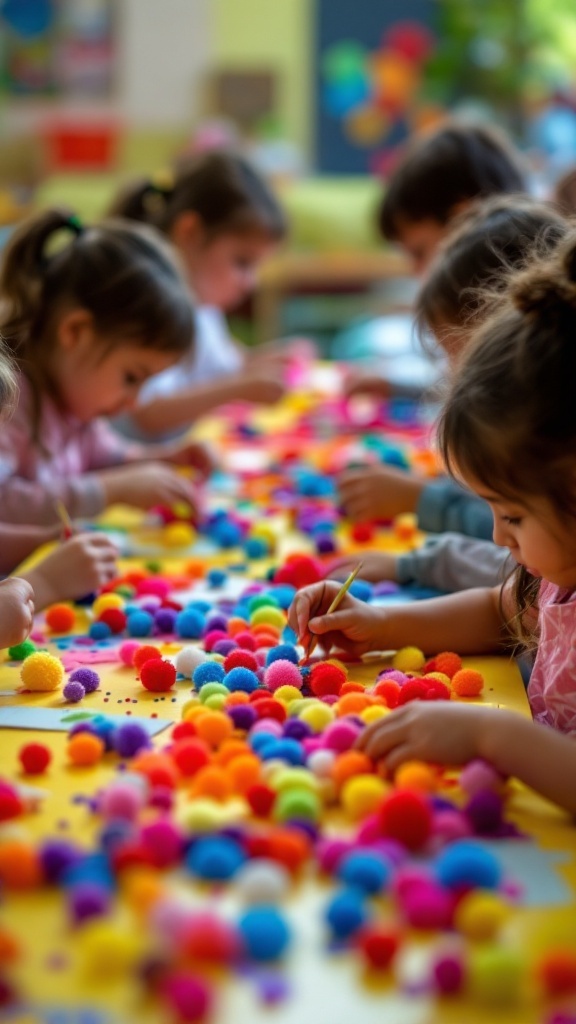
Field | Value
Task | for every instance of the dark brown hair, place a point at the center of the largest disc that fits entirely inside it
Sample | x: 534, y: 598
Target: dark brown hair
x: 123, y: 275
x: 223, y: 188
x: 454, y: 164
x: 510, y: 418
x: 564, y: 193
x: 489, y: 242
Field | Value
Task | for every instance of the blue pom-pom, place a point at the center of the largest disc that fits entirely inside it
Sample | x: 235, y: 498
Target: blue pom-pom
x: 465, y: 863
x: 361, y: 590
x: 284, y: 594
x: 215, y: 858
x: 241, y: 679
x: 99, y: 631
x: 199, y: 606
x: 289, y: 636
x: 189, y: 624
x: 226, y: 534
x: 208, y: 672
x: 346, y: 913
x: 260, y: 741
x: 285, y: 749
x: 364, y: 870
x: 139, y: 623
x: 256, y: 547
x: 216, y: 577
x: 283, y: 652
x: 265, y: 933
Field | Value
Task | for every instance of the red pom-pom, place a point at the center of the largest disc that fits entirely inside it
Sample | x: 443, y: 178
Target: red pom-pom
x: 448, y: 663
x: 378, y: 944
x: 240, y: 659
x: 212, y: 638
x: 406, y: 816
x: 326, y: 679
x: 362, y: 533
x: 429, y: 666
x: 11, y: 804
x: 60, y: 618
x: 114, y: 618
x: 414, y: 689
x: 35, y: 758
x: 300, y: 571
x: 184, y: 730
x: 436, y: 690
x: 190, y: 755
x: 270, y: 708
x: 261, y: 799
x: 246, y: 641
x: 147, y: 652
x: 389, y: 690
x: 158, y: 675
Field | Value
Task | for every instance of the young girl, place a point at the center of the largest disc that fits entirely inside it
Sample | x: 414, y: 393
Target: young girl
x: 223, y: 220
x: 494, y: 238
x: 87, y: 325
x: 442, y: 173
x: 509, y: 431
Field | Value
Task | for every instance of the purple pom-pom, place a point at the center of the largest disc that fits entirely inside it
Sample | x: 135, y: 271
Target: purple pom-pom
x: 89, y: 679
x: 130, y: 738
x: 243, y: 715
x: 73, y: 691
x: 88, y: 900
x: 164, y: 620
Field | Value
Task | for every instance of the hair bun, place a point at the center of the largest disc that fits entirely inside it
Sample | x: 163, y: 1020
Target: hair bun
x: 548, y: 289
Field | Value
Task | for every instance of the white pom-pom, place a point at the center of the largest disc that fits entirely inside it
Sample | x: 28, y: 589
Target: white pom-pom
x: 262, y: 881
x: 188, y: 659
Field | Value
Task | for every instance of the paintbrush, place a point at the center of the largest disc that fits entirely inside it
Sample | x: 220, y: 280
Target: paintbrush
x: 67, y: 527
x: 335, y: 603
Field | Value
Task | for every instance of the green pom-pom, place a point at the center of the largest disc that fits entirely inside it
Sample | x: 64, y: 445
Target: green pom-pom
x: 21, y: 651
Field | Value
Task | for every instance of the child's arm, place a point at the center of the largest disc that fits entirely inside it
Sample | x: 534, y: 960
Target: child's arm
x: 16, y: 611
x: 76, y: 567
x: 453, y: 734
x: 17, y: 542
x: 470, y: 622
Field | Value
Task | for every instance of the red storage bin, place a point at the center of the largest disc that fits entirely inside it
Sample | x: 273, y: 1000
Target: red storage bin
x: 81, y: 145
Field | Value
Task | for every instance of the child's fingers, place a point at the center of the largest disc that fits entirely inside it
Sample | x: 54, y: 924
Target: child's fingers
x: 384, y: 736
x: 398, y: 755
x: 337, y: 622
x: 309, y: 603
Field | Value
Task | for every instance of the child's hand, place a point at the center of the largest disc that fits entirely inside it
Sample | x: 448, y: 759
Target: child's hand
x: 195, y: 455
x: 379, y: 492
x: 360, y: 383
x: 376, y: 566
x: 262, y: 385
x: 443, y: 733
x: 76, y: 567
x: 354, y: 627
x: 146, y: 484
x: 16, y: 611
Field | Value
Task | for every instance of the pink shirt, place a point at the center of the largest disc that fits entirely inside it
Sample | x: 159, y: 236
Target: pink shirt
x: 63, y: 466
x: 552, y: 688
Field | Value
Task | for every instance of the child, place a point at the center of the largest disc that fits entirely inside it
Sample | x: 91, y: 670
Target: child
x: 223, y: 220
x: 490, y: 241
x: 509, y: 431
x: 87, y: 325
x: 442, y: 173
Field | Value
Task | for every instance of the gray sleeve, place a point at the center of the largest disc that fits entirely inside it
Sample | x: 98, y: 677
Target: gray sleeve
x: 453, y: 562
x: 445, y: 505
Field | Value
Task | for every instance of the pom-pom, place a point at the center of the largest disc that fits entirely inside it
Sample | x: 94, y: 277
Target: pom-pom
x: 158, y: 675
x: 215, y: 858
x: 188, y: 996
x: 414, y: 689
x: 362, y: 533
x: 448, y: 973
x: 120, y: 800
x: 265, y: 933
x: 114, y: 618
x: 139, y: 623
x: 239, y: 658
x: 427, y: 906
x: 188, y: 659
x: 130, y: 738
x: 341, y: 735
x: 127, y: 650
x: 105, y: 601
x: 557, y: 972
x: 448, y: 663
x: 208, y: 672
x: 262, y: 881
x: 480, y: 915
x: 42, y: 672
x: 261, y: 799
x: 465, y: 863
x: 190, y: 755
x: 495, y: 974
x: 60, y: 618
x: 73, y: 692
x: 11, y: 803
x: 282, y: 673
x: 378, y: 944
x: 164, y: 620
x: 89, y: 679
x: 99, y: 631
x: 34, y: 758
x: 362, y: 794
x: 85, y: 749
x: 364, y: 870
x: 189, y: 624
x: 326, y: 679
x: 408, y: 659
x: 477, y: 776
x: 214, y: 727
x: 467, y: 682
x: 389, y: 690
x: 346, y: 913
x: 484, y: 811
x: 241, y: 679
x: 416, y: 775
x: 144, y: 653
x: 19, y: 652
x: 406, y: 816
x: 88, y: 900
x: 283, y: 652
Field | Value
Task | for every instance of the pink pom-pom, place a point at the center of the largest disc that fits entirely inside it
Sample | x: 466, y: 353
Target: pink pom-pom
x: 127, y: 650
x: 282, y: 673
x: 163, y: 841
x: 155, y: 586
x: 330, y: 852
x: 188, y: 996
x: 341, y: 735
x: 478, y: 776
x: 121, y: 800
x: 427, y: 905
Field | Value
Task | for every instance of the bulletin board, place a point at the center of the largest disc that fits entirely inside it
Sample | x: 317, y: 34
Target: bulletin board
x: 370, y: 61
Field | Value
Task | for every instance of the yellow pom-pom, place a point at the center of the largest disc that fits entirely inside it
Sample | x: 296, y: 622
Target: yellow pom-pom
x: 287, y: 694
x: 495, y: 974
x: 106, y: 601
x: 142, y: 887
x: 405, y: 526
x: 42, y: 672
x: 466, y: 683
x: 480, y: 915
x: 416, y: 775
x: 178, y: 535
x: 265, y: 533
x: 216, y: 701
x: 441, y: 676
x: 108, y: 950
x: 373, y: 713
x: 317, y: 715
x: 361, y: 795
x: 189, y: 708
x: 269, y: 614
x: 408, y: 659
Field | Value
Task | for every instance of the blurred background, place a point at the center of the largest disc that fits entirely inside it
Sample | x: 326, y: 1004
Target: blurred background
x: 322, y: 94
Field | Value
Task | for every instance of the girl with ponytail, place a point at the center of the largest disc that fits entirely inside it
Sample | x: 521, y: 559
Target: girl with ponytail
x: 86, y: 322
x: 508, y: 431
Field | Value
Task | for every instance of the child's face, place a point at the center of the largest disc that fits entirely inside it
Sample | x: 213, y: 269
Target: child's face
x: 536, y: 537
x: 222, y: 270
x: 420, y: 240
x: 95, y: 380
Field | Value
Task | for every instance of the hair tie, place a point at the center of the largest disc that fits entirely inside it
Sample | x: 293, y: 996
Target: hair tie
x: 162, y: 183
x: 75, y: 225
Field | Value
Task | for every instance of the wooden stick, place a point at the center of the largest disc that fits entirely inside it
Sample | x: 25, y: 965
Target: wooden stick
x: 67, y: 527
x: 337, y: 600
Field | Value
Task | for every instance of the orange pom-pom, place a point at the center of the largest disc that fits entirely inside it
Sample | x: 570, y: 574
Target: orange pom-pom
x: 214, y: 727
x: 244, y: 772
x: 349, y: 764
x: 143, y: 654
x: 60, y: 618
x: 389, y: 691
x: 353, y: 703
x: 557, y: 972
x: 85, y: 749
x: 20, y: 866
x: 159, y: 769
x: 467, y: 682
x: 448, y: 663
x: 213, y: 782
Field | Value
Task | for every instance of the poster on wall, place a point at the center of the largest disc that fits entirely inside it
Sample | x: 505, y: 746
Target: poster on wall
x: 370, y: 61
x: 57, y: 47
